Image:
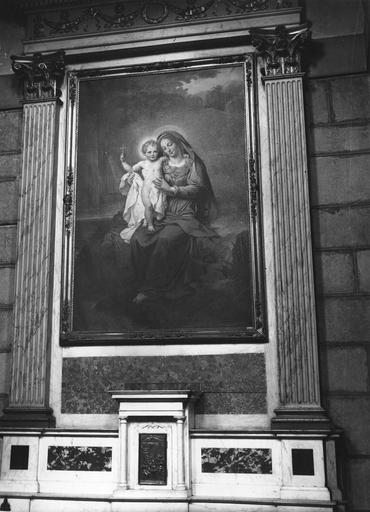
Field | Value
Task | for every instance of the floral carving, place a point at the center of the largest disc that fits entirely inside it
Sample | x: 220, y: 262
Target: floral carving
x: 250, y: 5
x: 119, y: 19
x: 192, y: 11
x: 65, y: 25
x: 122, y: 15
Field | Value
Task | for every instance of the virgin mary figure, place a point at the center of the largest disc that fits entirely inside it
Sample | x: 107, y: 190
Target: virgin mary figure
x: 166, y: 261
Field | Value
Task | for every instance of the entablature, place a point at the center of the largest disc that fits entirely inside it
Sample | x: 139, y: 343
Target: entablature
x: 89, y: 32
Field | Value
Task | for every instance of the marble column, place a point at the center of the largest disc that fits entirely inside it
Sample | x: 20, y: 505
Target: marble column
x: 299, y: 390
x: 180, y: 453
x: 123, y: 453
x: 32, y: 309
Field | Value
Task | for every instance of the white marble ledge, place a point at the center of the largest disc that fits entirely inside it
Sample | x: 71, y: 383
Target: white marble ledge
x: 257, y: 434
x: 60, y: 433
x: 158, y: 395
x: 189, y: 499
x: 194, y: 433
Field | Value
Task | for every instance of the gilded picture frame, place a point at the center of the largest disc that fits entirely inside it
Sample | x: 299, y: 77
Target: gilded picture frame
x: 197, y: 275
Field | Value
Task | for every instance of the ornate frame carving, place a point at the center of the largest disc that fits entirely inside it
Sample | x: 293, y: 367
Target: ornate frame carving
x: 253, y: 332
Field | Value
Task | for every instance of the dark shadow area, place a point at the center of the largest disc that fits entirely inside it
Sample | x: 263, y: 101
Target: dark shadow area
x: 105, y: 285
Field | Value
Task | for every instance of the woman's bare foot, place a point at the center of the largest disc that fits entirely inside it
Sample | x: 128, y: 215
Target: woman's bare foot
x: 151, y: 228
x: 140, y: 298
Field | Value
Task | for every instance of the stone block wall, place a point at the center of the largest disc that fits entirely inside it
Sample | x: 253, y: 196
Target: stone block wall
x: 338, y: 112
x: 10, y: 162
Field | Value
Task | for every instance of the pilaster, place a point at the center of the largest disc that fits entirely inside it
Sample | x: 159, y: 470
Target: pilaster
x: 180, y: 454
x: 30, y: 353
x: 299, y: 391
x: 123, y: 452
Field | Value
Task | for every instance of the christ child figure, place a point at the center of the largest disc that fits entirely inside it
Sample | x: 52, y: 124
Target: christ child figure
x: 150, y: 168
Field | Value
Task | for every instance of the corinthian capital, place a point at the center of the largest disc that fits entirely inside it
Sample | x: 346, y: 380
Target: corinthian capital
x: 42, y: 74
x: 280, y: 48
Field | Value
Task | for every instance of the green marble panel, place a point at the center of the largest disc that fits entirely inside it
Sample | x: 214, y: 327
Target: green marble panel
x: 236, y: 460
x: 231, y: 383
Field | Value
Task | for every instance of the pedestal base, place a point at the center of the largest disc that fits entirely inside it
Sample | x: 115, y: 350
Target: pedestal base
x: 301, y: 418
x: 32, y: 417
x: 287, y: 469
x: 148, y: 495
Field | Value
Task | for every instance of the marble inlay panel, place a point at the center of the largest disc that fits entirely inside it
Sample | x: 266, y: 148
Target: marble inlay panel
x: 80, y: 458
x: 231, y: 384
x: 236, y: 460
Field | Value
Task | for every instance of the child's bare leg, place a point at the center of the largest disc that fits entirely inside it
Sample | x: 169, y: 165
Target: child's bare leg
x: 148, y: 211
x: 149, y: 217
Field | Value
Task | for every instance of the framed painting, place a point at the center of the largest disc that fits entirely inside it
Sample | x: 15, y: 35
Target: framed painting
x: 162, y: 223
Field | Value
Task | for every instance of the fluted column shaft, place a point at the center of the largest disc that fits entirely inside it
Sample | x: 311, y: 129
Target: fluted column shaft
x: 29, y: 375
x: 123, y: 453
x: 180, y: 453
x: 294, y: 287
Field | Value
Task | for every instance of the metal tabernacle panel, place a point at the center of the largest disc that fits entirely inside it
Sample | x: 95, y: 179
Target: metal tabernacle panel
x: 153, y: 459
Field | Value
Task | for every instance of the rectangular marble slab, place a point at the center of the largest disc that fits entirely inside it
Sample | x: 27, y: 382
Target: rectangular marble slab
x: 230, y: 383
x: 236, y: 460
x: 79, y: 458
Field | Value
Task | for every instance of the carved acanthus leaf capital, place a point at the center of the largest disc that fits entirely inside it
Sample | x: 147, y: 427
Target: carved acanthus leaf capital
x: 280, y: 48
x: 42, y: 74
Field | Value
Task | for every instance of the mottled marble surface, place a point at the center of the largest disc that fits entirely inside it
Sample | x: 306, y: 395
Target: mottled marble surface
x: 10, y: 130
x: 79, y: 458
x: 6, y: 329
x: 231, y: 384
x: 236, y: 460
x: 8, y: 236
x: 9, y: 202
x: 6, y: 285
x: 10, y: 165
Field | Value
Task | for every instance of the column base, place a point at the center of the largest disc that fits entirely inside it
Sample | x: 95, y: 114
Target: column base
x: 301, y: 418
x: 121, y: 490
x: 28, y: 417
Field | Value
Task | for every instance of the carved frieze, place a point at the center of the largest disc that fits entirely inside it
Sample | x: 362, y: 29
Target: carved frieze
x: 280, y: 48
x: 101, y: 17
x: 42, y: 74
